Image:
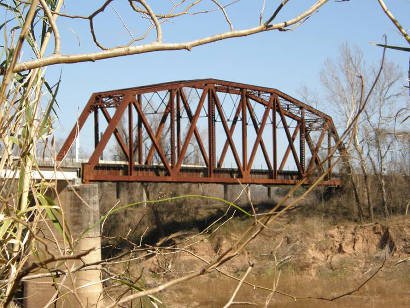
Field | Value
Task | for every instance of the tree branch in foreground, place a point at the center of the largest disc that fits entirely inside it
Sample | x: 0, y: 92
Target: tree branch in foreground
x: 357, y: 289
x: 158, y: 46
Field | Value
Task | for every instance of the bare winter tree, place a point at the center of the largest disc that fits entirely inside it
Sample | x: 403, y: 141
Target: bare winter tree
x: 345, y: 82
x: 381, y: 120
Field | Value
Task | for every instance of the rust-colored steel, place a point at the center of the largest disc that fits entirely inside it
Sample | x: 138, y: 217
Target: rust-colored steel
x: 208, y: 131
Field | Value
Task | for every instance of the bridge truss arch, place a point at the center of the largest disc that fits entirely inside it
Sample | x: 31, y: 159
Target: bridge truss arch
x: 206, y: 131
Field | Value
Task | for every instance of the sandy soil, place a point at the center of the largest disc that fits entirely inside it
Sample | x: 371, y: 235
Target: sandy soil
x: 306, y: 258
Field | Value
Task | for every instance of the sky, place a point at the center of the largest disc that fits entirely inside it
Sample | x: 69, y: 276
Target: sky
x: 287, y: 60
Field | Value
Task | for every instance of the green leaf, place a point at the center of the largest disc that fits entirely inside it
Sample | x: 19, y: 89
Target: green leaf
x: 49, y: 206
x: 8, y: 7
x: 21, y: 180
x: 50, y: 106
x: 5, y: 23
x: 14, y: 140
x: 28, y: 110
x: 53, y: 4
x: 137, y: 288
x: 394, y: 47
x: 4, y: 227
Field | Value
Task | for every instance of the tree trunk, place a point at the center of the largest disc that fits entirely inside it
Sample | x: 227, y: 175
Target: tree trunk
x: 384, y: 196
x: 366, y: 178
x: 357, y: 198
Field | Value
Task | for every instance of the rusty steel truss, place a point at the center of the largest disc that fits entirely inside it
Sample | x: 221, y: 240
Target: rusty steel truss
x: 206, y: 131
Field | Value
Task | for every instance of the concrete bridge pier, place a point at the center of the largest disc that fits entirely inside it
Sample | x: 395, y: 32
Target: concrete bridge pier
x: 80, y: 205
x: 269, y: 192
x: 82, y: 213
x: 243, y: 195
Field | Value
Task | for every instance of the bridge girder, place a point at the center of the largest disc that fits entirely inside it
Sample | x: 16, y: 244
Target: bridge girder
x: 166, y: 122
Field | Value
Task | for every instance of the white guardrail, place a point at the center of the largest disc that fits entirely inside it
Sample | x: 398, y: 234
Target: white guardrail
x: 41, y: 175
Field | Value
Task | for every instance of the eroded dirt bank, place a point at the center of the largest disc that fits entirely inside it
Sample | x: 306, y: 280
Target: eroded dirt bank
x: 303, y: 256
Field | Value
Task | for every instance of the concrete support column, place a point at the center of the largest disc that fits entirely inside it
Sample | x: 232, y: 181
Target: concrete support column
x: 83, y: 214
x: 145, y: 194
x: 226, y: 196
x: 80, y: 206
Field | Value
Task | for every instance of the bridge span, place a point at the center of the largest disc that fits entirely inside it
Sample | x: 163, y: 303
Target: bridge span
x: 206, y: 131
x: 206, y: 134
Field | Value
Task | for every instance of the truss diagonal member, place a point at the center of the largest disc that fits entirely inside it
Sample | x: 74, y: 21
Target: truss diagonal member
x: 116, y: 133
x: 76, y: 129
x: 227, y: 131
x: 152, y: 137
x: 290, y: 138
x: 192, y: 128
x: 288, y: 148
x: 266, y: 103
x: 231, y: 131
x: 158, y: 133
x: 196, y: 132
x: 258, y: 141
x: 315, y: 150
x: 259, y: 132
x: 112, y: 125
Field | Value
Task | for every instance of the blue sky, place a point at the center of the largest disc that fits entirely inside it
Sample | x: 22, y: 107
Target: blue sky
x: 284, y: 60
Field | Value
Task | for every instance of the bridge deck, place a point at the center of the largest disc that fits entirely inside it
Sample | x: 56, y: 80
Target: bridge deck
x: 116, y: 172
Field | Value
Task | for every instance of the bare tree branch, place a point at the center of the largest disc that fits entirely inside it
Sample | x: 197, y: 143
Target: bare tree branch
x: 169, y: 15
x: 132, y: 50
x: 356, y: 289
x: 154, y: 20
x: 238, y: 287
x: 262, y: 11
x: 278, y: 9
x: 224, y: 13
x: 394, y: 21
x: 53, y: 26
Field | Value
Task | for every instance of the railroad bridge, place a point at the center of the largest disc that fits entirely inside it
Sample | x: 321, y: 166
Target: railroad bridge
x: 202, y: 131
x: 206, y: 131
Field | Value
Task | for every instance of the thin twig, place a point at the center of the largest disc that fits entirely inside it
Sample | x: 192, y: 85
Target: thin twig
x: 262, y: 12
x: 231, y: 300
x: 334, y: 298
x: 278, y: 9
x: 154, y: 20
x: 53, y: 25
x: 224, y: 13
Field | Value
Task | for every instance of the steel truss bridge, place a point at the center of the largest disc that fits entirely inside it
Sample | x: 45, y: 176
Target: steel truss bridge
x: 206, y: 131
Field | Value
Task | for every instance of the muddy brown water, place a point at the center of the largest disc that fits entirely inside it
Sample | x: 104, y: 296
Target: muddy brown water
x: 381, y: 291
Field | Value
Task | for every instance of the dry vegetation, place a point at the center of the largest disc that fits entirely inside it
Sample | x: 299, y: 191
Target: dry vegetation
x: 306, y: 254
x: 233, y: 260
